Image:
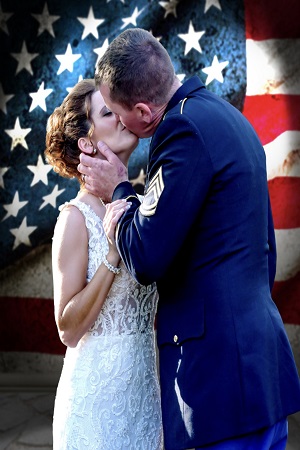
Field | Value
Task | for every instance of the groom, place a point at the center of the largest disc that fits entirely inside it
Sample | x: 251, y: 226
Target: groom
x: 204, y: 233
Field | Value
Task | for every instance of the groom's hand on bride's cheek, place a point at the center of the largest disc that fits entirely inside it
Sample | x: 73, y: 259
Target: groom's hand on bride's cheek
x: 117, y: 170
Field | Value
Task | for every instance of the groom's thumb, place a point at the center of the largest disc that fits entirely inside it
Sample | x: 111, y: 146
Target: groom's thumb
x: 106, y: 151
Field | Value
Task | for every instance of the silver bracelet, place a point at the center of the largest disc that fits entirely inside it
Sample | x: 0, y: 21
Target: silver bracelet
x: 110, y: 267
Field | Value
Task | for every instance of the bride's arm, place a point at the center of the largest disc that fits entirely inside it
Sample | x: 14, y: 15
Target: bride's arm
x: 77, y: 304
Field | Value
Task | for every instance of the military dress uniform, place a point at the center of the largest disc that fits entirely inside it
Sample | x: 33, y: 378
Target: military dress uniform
x: 204, y: 233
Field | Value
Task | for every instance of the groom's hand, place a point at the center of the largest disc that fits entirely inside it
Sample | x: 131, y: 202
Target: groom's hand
x: 102, y: 172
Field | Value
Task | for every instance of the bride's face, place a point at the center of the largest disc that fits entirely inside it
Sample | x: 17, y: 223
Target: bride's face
x: 109, y: 129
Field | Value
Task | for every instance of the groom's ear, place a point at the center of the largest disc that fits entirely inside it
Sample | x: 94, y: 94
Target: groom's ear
x: 85, y: 145
x: 143, y: 112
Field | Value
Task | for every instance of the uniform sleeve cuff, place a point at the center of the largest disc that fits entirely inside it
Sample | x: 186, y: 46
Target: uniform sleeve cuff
x: 124, y: 190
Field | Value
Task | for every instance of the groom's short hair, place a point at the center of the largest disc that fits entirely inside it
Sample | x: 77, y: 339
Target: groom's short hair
x: 136, y: 68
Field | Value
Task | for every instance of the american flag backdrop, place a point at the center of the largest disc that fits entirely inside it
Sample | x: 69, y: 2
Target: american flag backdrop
x: 248, y: 52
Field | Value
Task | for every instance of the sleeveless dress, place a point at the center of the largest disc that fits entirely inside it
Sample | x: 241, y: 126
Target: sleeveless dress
x: 108, y: 395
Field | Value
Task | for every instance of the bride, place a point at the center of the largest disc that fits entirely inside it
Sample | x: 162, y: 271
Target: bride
x: 108, y: 395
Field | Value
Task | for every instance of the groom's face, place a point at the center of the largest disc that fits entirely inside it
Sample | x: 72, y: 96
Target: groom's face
x: 130, y: 118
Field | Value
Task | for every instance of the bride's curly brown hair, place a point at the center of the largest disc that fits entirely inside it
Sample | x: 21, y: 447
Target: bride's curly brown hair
x: 68, y: 123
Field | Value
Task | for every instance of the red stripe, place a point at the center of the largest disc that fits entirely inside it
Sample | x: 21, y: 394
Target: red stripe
x: 284, y: 197
x: 271, y: 115
x: 286, y: 295
x: 27, y: 324
x: 272, y: 19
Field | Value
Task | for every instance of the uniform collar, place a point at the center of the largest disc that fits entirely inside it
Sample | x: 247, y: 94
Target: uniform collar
x: 186, y: 89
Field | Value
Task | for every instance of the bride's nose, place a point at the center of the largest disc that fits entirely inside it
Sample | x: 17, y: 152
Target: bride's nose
x: 117, y: 117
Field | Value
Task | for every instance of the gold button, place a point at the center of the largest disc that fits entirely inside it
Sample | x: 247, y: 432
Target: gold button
x: 175, y: 338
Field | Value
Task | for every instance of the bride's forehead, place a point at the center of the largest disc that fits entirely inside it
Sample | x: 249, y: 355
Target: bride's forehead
x: 97, y: 103
x: 97, y: 99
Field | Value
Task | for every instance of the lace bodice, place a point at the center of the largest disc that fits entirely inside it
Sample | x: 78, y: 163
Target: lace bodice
x: 129, y: 307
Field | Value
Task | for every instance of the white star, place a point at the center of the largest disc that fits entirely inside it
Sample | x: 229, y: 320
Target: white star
x: 90, y: 24
x: 3, y: 171
x: 18, y: 135
x: 45, y: 21
x: 4, y: 99
x: 170, y: 7
x: 191, y: 39
x: 39, y: 98
x: 101, y: 50
x: 24, y: 59
x: 14, y: 207
x: 210, y: 3
x: 50, y: 199
x: 180, y: 76
x: 79, y: 79
x: 140, y: 178
x: 214, y: 71
x: 40, y: 172
x: 3, y: 18
x: 67, y: 60
x: 131, y: 19
x: 22, y: 234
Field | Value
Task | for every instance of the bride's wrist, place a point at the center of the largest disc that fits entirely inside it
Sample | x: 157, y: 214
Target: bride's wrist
x: 112, y: 264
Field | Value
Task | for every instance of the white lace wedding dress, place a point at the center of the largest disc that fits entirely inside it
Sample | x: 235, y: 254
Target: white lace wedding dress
x: 108, y: 396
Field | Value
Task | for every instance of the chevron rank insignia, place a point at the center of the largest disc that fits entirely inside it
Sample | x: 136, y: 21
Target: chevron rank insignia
x: 154, y: 191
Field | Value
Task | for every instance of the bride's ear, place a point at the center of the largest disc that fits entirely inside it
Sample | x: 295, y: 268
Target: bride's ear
x: 85, y: 145
x: 143, y: 112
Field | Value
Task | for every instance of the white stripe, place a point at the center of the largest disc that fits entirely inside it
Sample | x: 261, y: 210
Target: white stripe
x: 288, y: 254
x: 273, y: 66
x: 283, y: 155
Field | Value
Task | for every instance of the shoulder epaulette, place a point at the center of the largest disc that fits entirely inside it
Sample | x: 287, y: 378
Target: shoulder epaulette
x: 181, y: 107
x: 182, y: 104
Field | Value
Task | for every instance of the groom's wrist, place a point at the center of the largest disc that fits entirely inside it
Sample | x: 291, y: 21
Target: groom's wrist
x: 124, y: 190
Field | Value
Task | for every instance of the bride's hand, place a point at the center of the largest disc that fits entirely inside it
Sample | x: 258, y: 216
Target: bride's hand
x: 113, y: 213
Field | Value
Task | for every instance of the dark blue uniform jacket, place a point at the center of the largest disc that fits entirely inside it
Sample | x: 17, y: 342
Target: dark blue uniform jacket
x: 204, y: 233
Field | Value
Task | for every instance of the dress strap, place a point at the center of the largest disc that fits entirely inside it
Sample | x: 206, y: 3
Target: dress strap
x: 85, y: 209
